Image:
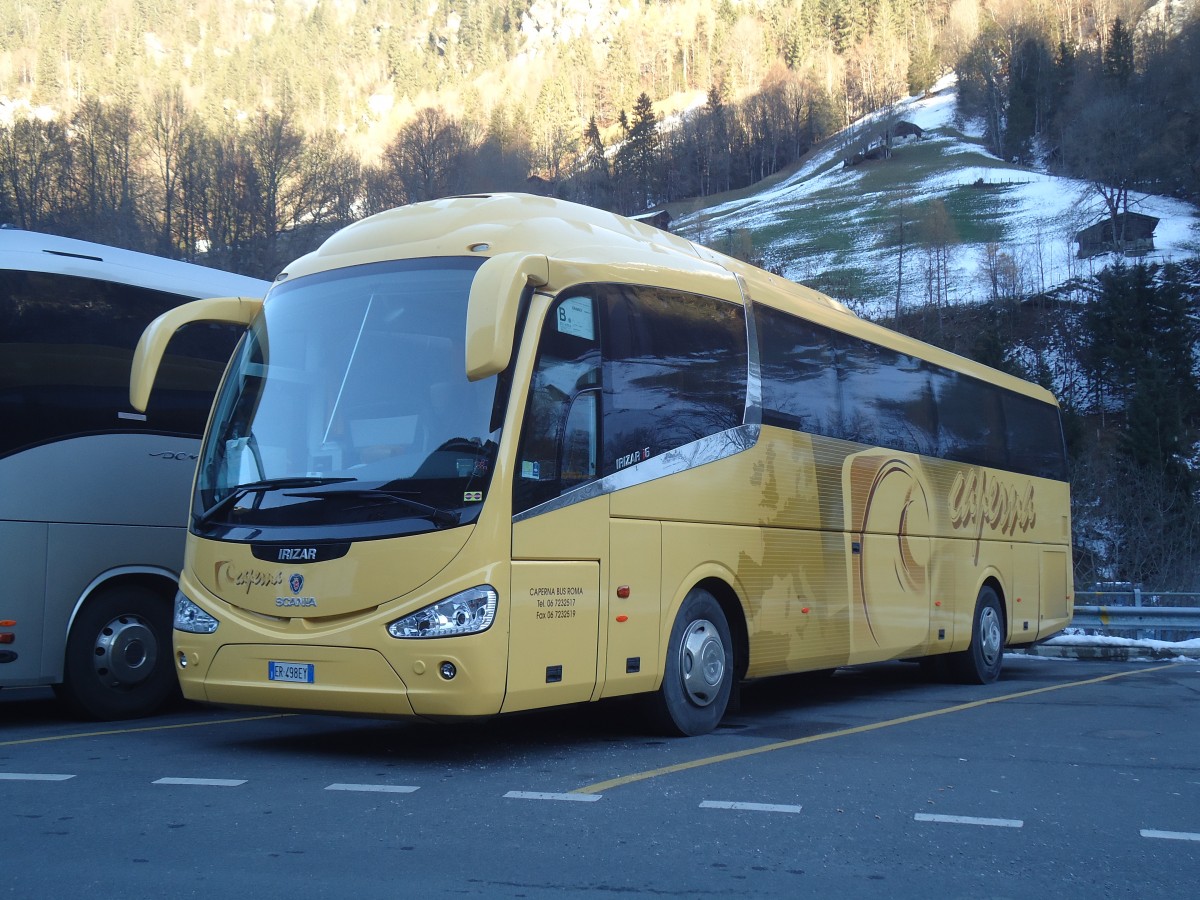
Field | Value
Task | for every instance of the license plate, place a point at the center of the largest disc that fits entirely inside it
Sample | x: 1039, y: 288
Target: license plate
x: 301, y: 673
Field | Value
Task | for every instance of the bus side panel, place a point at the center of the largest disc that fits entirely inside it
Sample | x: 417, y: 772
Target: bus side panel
x: 958, y: 569
x: 115, y: 479
x: 1056, y: 591
x: 77, y: 555
x: 1025, y: 603
x: 792, y: 586
x: 634, y: 623
x: 22, y: 600
x: 770, y: 516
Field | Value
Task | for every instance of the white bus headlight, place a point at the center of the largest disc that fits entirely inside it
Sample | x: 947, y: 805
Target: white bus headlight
x: 189, y: 617
x: 469, y: 612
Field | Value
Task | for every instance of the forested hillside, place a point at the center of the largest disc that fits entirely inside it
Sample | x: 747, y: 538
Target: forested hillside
x: 220, y: 126
x: 240, y: 132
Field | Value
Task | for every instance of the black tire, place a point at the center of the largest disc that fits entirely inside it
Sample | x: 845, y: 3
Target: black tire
x: 980, y: 663
x: 118, y: 663
x: 698, y: 675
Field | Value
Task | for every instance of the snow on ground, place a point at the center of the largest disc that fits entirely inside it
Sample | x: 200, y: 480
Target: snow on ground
x: 1078, y: 639
x: 1072, y: 642
x: 1038, y: 214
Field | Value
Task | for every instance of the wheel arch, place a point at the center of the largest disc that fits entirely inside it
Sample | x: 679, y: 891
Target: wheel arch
x: 155, y: 578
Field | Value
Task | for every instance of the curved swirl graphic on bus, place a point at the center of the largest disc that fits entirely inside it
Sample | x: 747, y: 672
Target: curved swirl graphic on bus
x: 893, y: 518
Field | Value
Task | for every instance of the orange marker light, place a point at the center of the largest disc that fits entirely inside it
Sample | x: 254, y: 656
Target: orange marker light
x: 8, y: 623
x: 622, y: 618
x: 804, y: 609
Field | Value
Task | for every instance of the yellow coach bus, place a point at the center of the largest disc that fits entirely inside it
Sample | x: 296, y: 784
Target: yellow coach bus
x: 496, y: 453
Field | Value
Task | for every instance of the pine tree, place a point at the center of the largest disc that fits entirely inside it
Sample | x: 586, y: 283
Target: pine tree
x: 1140, y: 332
x: 642, y: 148
x: 1118, y: 54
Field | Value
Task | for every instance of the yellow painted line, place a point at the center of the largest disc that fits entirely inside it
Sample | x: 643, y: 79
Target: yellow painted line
x: 602, y: 786
x: 88, y: 734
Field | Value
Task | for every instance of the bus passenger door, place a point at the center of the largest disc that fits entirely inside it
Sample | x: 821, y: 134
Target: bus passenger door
x: 553, y: 628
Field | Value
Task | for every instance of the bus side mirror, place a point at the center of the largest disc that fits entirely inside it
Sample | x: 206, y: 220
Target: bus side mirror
x: 493, y: 306
x: 153, y: 342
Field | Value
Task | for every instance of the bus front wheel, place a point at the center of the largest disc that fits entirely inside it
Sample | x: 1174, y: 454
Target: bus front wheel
x: 698, y: 675
x: 980, y: 663
x: 118, y: 663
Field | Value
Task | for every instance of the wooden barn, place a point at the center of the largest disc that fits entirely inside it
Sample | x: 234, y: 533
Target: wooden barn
x: 1099, y: 238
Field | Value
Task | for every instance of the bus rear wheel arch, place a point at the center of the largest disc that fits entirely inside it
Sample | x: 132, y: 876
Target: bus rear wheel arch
x: 699, y: 671
x: 118, y: 657
x: 981, y: 662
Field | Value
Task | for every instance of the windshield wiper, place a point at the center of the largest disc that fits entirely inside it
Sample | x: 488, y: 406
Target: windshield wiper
x: 262, y: 487
x: 442, y: 517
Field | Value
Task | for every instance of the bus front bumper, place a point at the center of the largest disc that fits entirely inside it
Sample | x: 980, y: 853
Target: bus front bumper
x: 340, y: 680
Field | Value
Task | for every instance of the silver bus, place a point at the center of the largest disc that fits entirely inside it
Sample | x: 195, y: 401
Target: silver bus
x: 93, y: 495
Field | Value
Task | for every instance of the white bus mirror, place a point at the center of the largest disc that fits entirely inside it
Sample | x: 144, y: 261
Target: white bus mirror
x: 492, y: 309
x: 153, y: 342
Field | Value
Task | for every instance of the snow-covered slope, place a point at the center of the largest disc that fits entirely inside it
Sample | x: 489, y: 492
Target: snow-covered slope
x: 855, y: 232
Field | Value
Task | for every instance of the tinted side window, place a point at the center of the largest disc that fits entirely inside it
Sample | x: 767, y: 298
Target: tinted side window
x: 1035, y: 437
x: 66, y: 345
x: 818, y: 380
x: 800, y: 388
x: 887, y: 398
x: 675, y: 370
x: 970, y: 421
x: 560, y: 434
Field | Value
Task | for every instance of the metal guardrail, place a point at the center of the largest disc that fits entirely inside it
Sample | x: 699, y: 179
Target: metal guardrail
x: 1131, y: 617
x: 1161, y: 615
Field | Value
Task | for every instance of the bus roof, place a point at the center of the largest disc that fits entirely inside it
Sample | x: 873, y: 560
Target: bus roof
x: 31, y: 251
x: 489, y: 224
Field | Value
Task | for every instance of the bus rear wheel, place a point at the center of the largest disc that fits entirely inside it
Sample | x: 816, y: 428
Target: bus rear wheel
x: 118, y: 663
x: 980, y: 663
x: 698, y: 675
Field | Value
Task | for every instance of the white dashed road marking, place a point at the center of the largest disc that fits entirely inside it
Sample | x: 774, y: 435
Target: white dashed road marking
x: 542, y: 795
x: 374, y: 788
x: 1170, y: 835
x: 29, y: 776
x: 969, y: 820
x: 753, y: 807
x: 203, y: 782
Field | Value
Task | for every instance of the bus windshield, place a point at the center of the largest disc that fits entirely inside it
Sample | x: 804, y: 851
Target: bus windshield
x: 347, y: 407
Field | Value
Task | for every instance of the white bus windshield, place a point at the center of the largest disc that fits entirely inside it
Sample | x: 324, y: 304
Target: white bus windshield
x: 347, y: 407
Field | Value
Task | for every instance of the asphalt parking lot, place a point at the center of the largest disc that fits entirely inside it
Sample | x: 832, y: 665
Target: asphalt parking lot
x: 1067, y: 777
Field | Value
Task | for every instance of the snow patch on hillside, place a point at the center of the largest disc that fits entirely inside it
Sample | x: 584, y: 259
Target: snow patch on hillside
x: 1038, y: 214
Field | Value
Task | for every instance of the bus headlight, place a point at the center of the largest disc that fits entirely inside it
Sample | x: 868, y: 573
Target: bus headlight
x: 189, y: 617
x: 468, y: 612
